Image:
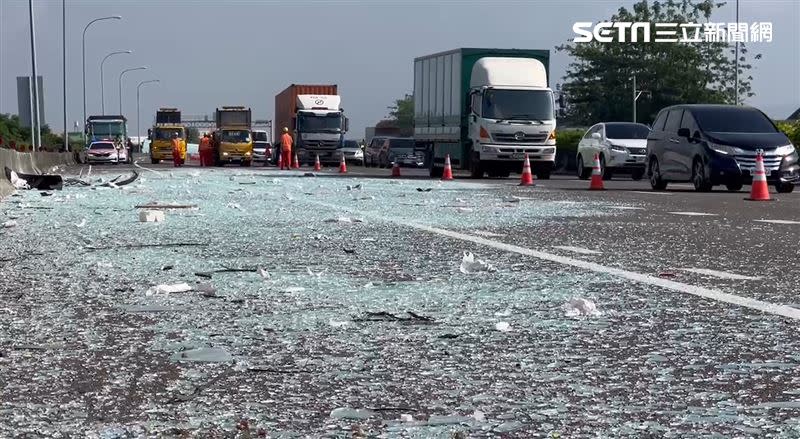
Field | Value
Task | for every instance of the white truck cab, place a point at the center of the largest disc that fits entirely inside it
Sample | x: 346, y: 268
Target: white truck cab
x: 511, y: 113
x: 320, y: 127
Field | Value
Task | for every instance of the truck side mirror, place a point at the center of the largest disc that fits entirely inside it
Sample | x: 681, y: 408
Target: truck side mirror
x: 346, y: 124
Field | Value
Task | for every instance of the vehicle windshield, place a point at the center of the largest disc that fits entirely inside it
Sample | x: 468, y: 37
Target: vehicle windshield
x: 733, y: 120
x: 260, y: 136
x: 518, y: 104
x: 626, y: 131
x: 104, y: 145
x: 235, y: 136
x: 309, y: 122
x: 107, y: 130
x: 166, y: 133
x: 401, y: 145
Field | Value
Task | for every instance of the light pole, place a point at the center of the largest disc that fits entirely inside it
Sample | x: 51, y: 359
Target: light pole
x: 102, y: 87
x: 36, y: 132
x: 138, y: 130
x: 120, y: 84
x: 636, y: 95
x: 64, y: 67
x: 83, y: 56
x: 736, y: 85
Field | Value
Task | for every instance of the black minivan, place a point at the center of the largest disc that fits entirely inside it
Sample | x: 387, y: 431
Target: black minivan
x: 717, y: 144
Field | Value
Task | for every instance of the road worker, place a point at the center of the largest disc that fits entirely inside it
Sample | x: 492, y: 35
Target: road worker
x: 286, y: 149
x: 176, y: 150
x: 205, y: 151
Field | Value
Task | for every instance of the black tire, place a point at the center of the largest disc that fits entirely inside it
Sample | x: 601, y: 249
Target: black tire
x: 656, y: 181
x: 637, y: 175
x: 435, y: 172
x: 608, y: 174
x: 784, y: 188
x: 699, y: 178
x: 247, y: 163
x: 734, y: 186
x: 155, y: 161
x: 583, y: 172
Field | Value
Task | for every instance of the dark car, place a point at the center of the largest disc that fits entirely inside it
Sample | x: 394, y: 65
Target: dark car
x: 384, y: 151
x: 712, y: 145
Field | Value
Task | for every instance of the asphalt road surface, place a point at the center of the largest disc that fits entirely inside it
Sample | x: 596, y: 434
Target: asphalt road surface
x: 342, y: 306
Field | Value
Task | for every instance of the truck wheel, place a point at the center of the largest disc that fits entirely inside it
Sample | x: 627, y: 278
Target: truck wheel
x: 246, y: 163
x: 155, y: 161
x: 475, y: 168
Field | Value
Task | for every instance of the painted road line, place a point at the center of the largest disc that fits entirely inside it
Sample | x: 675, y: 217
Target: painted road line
x: 720, y: 274
x: 693, y: 213
x: 706, y: 293
x: 778, y: 221
x: 625, y: 207
x: 651, y: 193
x: 583, y: 251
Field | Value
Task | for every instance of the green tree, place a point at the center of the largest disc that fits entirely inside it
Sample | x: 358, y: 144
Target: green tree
x: 598, y: 83
x: 402, y: 114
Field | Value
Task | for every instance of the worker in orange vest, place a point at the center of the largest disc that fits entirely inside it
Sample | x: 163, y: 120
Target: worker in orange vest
x: 176, y: 150
x: 205, y: 151
x: 286, y: 149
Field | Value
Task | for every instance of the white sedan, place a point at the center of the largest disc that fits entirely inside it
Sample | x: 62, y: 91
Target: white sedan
x: 621, y: 146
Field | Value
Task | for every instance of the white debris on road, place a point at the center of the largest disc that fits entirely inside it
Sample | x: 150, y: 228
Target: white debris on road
x: 578, y: 306
x: 151, y: 216
x: 264, y: 273
x: 167, y: 289
x: 9, y: 224
x: 503, y: 326
x: 470, y: 264
x: 17, y: 182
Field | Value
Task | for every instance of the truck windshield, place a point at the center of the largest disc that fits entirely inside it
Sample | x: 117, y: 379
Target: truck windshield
x: 106, y: 130
x: 518, y: 104
x: 236, y: 136
x: 309, y: 122
x: 166, y: 133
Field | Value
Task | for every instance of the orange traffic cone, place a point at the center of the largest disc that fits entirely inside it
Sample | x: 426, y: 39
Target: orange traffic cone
x: 343, y: 166
x: 317, y: 166
x: 396, y: 170
x: 448, y: 170
x: 527, y: 175
x: 759, y: 190
x: 296, y: 164
x: 597, y: 175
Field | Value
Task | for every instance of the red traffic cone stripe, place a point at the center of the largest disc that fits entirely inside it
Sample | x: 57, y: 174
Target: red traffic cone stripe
x: 527, y: 175
x: 759, y: 191
x: 317, y: 166
x: 342, y: 166
x: 396, y: 170
x: 597, y: 175
x: 447, y: 174
x: 296, y: 164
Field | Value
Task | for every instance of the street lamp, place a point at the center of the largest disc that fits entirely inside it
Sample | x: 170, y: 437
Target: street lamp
x: 83, y: 55
x: 138, y: 130
x: 102, y: 87
x: 120, y: 83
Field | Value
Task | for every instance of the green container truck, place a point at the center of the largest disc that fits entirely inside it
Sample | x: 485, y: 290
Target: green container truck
x: 487, y: 109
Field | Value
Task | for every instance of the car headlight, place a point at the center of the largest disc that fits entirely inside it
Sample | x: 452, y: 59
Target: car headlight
x: 618, y: 148
x: 247, y: 153
x: 785, y: 150
x: 725, y: 149
x: 224, y: 153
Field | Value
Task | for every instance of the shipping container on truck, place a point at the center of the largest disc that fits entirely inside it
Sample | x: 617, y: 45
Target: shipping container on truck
x: 232, y: 141
x: 449, y: 108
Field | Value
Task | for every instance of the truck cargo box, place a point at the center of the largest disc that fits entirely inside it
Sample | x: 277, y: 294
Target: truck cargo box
x: 286, y: 103
x: 233, y: 117
x: 168, y: 116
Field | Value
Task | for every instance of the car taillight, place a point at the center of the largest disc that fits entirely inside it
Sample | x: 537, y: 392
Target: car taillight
x: 484, y: 134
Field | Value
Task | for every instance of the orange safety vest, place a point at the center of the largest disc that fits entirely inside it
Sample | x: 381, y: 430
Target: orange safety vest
x: 204, y: 144
x: 176, y: 145
x: 286, y: 142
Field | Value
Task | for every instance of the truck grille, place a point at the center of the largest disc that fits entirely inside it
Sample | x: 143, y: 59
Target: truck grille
x: 321, y: 144
x: 513, y: 138
x: 748, y: 161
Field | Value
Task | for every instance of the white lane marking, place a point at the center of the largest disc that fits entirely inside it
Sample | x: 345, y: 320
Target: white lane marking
x: 651, y: 193
x: 720, y: 274
x: 693, y: 213
x: 488, y: 234
x: 626, y: 207
x: 707, y: 293
x: 778, y: 221
x: 583, y: 251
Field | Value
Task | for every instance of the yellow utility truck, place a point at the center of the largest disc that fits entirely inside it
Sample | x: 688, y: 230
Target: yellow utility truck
x: 233, y: 140
x: 168, y: 122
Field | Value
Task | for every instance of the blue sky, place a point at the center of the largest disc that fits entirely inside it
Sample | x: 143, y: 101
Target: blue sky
x: 211, y: 53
